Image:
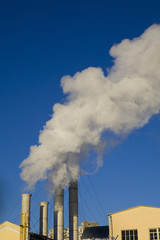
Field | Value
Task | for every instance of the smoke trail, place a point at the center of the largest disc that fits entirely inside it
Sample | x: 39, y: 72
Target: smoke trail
x: 124, y: 100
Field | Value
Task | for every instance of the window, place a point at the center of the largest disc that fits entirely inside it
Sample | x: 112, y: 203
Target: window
x: 130, y: 235
x: 154, y: 234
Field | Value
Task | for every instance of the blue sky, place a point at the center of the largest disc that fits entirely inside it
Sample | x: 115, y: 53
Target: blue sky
x: 41, y: 41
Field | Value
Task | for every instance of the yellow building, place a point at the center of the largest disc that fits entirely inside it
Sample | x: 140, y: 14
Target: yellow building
x: 9, y: 231
x: 138, y: 223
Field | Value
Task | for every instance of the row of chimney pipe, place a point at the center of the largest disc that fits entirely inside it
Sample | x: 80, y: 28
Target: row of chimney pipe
x: 58, y: 214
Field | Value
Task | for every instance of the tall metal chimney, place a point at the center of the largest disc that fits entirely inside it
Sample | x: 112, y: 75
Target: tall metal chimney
x: 58, y: 214
x: 73, y: 211
x: 25, y: 216
x: 43, y: 226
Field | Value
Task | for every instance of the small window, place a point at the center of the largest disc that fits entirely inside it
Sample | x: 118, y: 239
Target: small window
x: 154, y: 234
x: 129, y: 235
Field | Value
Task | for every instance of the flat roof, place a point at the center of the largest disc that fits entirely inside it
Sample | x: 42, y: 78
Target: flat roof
x: 96, y: 232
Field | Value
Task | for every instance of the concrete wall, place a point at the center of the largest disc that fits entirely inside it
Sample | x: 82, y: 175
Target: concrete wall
x: 141, y: 218
x: 9, y: 231
x: 89, y: 224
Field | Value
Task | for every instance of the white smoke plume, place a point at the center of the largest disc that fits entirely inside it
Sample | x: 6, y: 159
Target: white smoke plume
x: 123, y: 100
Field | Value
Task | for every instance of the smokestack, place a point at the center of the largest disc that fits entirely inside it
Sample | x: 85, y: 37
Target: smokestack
x: 25, y: 216
x: 73, y: 211
x: 58, y: 214
x: 43, y: 226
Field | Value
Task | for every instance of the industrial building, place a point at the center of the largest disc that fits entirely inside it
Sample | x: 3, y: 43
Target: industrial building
x: 137, y: 223
x: 9, y: 231
x: 85, y: 224
x: 74, y: 232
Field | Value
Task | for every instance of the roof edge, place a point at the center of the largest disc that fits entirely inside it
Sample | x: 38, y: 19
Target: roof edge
x: 7, y: 223
x: 131, y: 209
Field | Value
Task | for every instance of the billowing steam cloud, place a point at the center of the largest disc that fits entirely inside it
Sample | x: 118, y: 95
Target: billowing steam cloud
x: 123, y: 100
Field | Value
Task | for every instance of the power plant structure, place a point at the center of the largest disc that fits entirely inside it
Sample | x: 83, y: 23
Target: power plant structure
x: 23, y: 231
x: 73, y: 211
x: 87, y: 229
x: 43, y: 224
x: 25, y: 217
x: 58, y: 215
x: 134, y: 222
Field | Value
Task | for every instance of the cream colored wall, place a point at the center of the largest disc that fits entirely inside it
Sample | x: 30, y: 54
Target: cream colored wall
x: 141, y: 218
x: 9, y: 231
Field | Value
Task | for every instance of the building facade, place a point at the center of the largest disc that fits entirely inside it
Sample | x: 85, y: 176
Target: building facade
x: 138, y: 223
x: 9, y: 231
